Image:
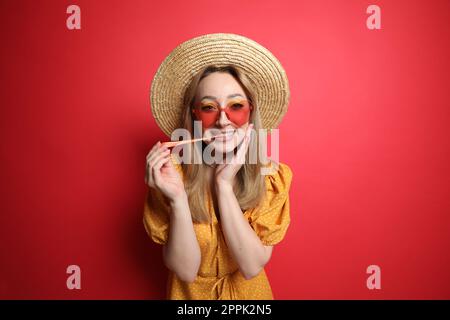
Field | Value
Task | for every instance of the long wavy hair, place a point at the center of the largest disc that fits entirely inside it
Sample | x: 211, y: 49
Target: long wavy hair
x: 249, y: 186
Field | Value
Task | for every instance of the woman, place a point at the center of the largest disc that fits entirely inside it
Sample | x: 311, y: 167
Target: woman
x: 218, y: 223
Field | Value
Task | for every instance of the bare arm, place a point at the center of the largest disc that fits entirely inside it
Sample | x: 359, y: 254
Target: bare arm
x: 246, y: 247
x: 182, y: 252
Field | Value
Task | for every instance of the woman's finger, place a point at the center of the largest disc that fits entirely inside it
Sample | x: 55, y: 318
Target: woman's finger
x: 242, y: 149
x: 148, y: 179
x: 248, y: 135
x: 161, y: 162
x: 153, y: 149
x: 151, y: 166
x: 168, y: 163
x: 157, y: 169
x: 158, y: 156
x: 157, y: 152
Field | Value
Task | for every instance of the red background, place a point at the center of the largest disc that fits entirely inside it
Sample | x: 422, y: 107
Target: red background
x: 366, y: 136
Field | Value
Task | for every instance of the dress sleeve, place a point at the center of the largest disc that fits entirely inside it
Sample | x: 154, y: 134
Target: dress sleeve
x: 156, y: 216
x: 271, y: 220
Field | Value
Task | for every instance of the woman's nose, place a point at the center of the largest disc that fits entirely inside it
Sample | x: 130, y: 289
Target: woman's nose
x: 223, y: 119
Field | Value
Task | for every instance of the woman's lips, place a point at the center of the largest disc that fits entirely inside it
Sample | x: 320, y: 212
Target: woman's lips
x: 226, y: 136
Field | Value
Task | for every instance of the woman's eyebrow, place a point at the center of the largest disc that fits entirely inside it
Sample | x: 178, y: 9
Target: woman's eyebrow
x: 215, y: 98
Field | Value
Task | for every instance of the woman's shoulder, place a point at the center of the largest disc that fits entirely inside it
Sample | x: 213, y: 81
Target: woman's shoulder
x: 276, y: 169
x: 278, y: 175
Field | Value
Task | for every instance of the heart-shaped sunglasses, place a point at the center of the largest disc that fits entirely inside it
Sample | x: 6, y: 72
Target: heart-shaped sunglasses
x: 237, y: 111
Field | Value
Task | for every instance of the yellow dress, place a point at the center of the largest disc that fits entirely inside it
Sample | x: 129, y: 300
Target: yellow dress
x: 219, y: 277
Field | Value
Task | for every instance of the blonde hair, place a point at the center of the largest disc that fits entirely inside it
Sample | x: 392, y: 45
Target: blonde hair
x: 250, y: 184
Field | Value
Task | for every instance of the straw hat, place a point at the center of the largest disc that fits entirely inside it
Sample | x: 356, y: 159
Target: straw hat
x: 180, y: 66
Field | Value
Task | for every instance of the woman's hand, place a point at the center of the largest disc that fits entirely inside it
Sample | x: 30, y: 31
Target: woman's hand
x: 226, y: 172
x: 161, y: 173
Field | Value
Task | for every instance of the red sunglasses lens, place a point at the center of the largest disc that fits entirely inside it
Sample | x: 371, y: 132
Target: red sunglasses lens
x: 237, y: 112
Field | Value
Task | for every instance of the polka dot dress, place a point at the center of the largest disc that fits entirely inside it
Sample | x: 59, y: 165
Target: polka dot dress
x: 219, y: 277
